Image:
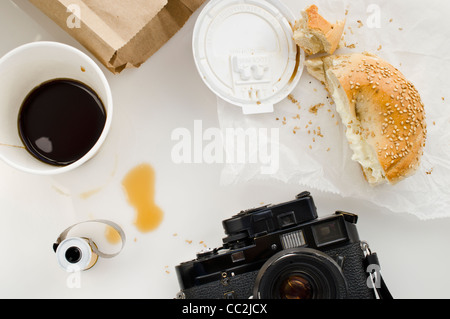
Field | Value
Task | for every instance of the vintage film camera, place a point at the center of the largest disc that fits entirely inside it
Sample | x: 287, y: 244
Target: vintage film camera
x: 285, y: 252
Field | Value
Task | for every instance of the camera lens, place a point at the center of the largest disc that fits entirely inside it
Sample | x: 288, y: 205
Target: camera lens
x: 73, y: 255
x: 300, y: 273
x: 295, y: 287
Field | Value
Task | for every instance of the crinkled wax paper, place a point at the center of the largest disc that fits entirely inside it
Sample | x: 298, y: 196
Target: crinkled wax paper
x: 313, y: 152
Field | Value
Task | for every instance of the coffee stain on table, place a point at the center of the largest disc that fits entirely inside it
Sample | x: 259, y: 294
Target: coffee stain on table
x: 90, y: 193
x: 139, y: 186
x: 112, y: 235
x: 60, y: 191
x: 14, y: 146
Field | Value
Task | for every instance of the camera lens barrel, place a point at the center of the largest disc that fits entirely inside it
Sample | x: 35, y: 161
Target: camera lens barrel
x: 300, y: 273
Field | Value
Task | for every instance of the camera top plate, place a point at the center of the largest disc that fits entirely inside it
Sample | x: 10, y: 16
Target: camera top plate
x: 264, y: 220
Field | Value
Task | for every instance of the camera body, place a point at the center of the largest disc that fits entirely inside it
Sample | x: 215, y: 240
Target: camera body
x: 281, y: 252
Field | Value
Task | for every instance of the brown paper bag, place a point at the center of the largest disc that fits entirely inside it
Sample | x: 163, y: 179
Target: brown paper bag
x: 120, y: 33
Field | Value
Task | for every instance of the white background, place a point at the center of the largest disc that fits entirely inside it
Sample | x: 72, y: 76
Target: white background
x: 164, y: 94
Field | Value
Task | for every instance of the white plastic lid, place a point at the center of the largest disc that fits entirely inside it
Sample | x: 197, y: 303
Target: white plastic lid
x: 245, y: 52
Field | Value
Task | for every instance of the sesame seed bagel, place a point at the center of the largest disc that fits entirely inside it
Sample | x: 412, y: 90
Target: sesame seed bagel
x: 314, y: 34
x: 382, y: 111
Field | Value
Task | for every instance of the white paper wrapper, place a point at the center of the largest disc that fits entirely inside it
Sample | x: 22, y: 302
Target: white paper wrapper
x: 411, y: 35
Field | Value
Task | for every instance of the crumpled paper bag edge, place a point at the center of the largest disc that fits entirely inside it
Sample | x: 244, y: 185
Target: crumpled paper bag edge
x: 142, y: 34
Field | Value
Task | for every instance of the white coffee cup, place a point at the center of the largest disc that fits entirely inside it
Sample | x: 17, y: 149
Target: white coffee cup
x: 25, y: 68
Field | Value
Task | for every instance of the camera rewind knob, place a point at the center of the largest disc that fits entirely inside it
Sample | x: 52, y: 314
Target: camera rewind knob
x: 303, y: 195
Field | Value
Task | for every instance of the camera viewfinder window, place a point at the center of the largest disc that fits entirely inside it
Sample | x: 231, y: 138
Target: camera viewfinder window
x: 328, y: 233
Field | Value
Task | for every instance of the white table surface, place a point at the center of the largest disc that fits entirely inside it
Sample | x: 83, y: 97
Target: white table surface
x: 164, y: 94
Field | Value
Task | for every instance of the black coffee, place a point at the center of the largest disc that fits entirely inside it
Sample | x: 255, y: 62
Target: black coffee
x: 60, y: 121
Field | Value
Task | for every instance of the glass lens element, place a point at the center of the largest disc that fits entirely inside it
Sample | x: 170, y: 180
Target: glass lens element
x: 296, y: 287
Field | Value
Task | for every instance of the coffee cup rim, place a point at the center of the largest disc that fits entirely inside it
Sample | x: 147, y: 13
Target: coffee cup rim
x: 108, y: 104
